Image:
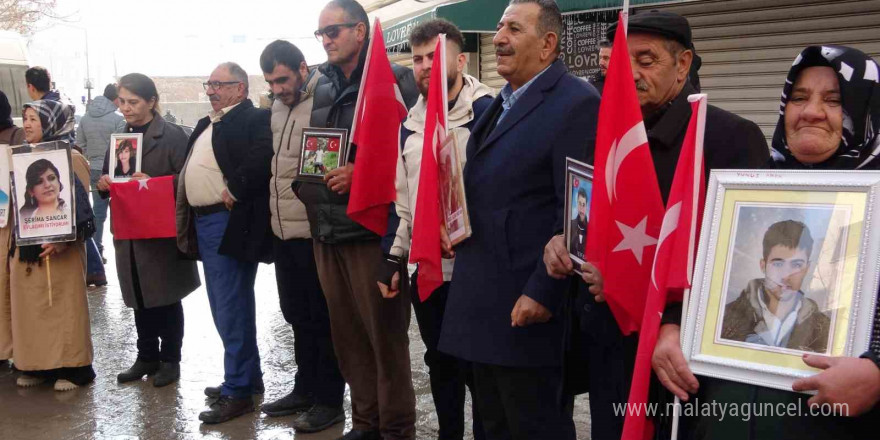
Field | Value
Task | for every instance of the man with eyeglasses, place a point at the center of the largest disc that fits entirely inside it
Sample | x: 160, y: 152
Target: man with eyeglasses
x: 369, y: 333
x: 223, y: 218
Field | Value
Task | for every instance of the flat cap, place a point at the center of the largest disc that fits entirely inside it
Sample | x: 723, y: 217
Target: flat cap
x: 663, y: 23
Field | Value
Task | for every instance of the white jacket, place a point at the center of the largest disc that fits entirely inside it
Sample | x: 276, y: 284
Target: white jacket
x: 410, y: 159
x: 289, y: 218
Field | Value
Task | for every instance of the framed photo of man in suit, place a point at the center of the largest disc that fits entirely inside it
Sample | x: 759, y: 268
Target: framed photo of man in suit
x: 578, y: 192
x: 787, y: 267
x: 322, y: 150
x: 43, y: 196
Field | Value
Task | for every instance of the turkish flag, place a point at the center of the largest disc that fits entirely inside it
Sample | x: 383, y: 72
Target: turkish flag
x: 142, y: 209
x: 626, y: 209
x: 425, y: 249
x: 376, y: 132
x: 674, y: 261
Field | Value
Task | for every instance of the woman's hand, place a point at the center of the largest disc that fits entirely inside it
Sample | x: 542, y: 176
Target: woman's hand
x: 104, y: 183
x: 593, y: 277
x: 139, y: 176
x: 850, y: 385
x: 50, y: 249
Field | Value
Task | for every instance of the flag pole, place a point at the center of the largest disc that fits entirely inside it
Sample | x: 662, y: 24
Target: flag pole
x: 625, y: 23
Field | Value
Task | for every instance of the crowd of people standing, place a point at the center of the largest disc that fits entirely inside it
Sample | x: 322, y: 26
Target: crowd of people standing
x: 512, y: 322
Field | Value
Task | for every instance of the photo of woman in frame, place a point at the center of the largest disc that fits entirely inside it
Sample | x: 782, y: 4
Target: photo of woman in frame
x: 43, y: 192
x: 126, y: 158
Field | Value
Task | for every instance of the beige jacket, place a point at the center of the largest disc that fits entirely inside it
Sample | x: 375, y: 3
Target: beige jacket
x: 410, y: 160
x: 289, y: 218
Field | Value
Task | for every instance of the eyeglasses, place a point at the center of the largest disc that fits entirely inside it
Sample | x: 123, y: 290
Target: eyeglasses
x: 332, y: 31
x: 215, y: 85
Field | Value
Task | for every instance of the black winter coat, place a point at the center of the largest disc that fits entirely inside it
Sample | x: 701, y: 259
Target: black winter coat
x: 335, y: 99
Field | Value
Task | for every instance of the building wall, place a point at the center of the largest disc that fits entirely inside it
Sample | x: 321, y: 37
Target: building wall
x: 185, y: 96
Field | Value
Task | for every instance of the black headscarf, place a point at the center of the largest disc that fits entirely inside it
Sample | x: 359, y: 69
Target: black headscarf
x: 5, y: 112
x: 859, y: 79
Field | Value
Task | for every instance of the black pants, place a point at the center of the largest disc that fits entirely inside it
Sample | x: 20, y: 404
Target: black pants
x: 449, y: 375
x: 522, y: 403
x: 163, y: 323
x: 305, y: 309
x: 612, y: 358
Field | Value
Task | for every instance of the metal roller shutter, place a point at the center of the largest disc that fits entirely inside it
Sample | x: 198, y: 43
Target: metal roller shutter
x: 401, y: 58
x: 748, y: 46
x: 488, y: 75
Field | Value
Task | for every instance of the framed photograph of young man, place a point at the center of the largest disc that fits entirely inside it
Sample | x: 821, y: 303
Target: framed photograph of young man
x: 322, y: 150
x: 578, y: 190
x: 42, y: 189
x: 787, y: 265
x: 452, y: 197
x: 125, y: 155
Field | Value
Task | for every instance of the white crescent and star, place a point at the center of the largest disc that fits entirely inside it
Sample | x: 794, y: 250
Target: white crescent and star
x: 635, y: 239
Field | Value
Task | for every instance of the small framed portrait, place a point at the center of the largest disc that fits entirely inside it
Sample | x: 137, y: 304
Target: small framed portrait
x: 787, y: 265
x: 578, y: 190
x: 43, y: 197
x: 322, y: 150
x: 452, y: 197
x: 125, y: 155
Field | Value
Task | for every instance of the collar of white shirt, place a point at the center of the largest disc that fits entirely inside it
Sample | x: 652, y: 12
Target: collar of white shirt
x: 215, y: 116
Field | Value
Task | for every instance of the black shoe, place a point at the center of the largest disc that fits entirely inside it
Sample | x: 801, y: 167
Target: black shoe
x: 290, y: 404
x: 226, y: 408
x: 137, y: 371
x: 169, y: 372
x: 214, y: 392
x: 356, y: 434
x: 97, y: 280
x: 319, y: 418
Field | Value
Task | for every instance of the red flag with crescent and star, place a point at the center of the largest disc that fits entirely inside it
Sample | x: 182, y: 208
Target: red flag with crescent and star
x: 141, y: 209
x: 426, y: 247
x: 375, y: 130
x: 627, y: 209
x: 673, y: 262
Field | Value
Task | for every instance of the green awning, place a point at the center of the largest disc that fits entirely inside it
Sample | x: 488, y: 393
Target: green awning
x: 483, y: 15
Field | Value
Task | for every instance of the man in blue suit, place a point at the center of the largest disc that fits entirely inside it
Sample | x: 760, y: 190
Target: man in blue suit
x: 503, y: 309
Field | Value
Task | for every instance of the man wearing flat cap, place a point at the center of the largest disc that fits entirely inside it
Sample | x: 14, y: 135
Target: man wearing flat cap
x: 663, y: 55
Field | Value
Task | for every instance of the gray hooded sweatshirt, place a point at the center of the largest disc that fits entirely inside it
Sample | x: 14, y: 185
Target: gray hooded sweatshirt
x: 93, y: 134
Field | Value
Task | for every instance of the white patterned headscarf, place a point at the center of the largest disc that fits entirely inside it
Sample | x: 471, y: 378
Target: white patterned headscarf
x: 56, y: 118
x: 859, y: 79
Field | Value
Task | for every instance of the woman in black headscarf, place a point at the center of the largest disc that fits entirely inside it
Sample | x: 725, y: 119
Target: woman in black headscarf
x: 829, y: 120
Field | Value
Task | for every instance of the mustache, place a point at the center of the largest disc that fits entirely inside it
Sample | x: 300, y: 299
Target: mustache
x: 504, y: 50
x: 214, y: 98
x: 641, y: 85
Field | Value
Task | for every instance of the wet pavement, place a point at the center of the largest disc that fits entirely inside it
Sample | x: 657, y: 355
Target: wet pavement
x: 137, y: 410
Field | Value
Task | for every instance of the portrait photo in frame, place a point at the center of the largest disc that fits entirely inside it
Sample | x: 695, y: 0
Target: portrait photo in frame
x: 787, y: 266
x: 125, y: 155
x: 452, y: 196
x: 322, y: 150
x: 43, y: 196
x: 578, y: 193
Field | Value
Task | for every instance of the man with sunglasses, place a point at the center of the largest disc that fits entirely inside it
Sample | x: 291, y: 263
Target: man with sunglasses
x: 369, y: 333
x: 223, y: 219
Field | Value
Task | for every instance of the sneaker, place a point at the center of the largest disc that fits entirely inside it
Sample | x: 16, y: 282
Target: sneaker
x: 214, y: 392
x: 26, y: 381
x: 137, y: 371
x: 169, y: 372
x: 226, y: 408
x: 356, y: 434
x: 65, y: 385
x: 319, y: 418
x: 290, y: 404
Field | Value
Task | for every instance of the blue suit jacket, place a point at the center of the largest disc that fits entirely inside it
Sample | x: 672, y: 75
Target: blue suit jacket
x: 514, y: 183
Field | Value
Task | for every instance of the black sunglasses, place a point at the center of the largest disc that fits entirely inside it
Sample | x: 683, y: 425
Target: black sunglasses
x: 332, y: 31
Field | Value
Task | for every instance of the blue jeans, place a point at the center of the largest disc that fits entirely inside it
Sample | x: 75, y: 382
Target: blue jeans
x: 230, y: 285
x: 93, y: 258
x: 99, y: 206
